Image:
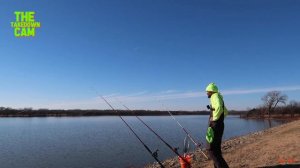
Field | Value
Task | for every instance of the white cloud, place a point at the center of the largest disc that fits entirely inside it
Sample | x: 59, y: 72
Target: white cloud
x: 184, y: 95
x: 169, y: 91
x: 167, y: 95
x: 261, y: 90
x: 145, y: 97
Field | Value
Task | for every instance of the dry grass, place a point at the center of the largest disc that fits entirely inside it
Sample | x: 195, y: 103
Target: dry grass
x: 268, y: 148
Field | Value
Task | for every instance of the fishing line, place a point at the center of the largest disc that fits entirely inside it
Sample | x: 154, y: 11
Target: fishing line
x: 158, y: 136
x: 153, y: 154
x: 197, y: 145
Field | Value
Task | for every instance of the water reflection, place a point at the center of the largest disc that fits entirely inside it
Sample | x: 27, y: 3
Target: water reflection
x: 79, y: 142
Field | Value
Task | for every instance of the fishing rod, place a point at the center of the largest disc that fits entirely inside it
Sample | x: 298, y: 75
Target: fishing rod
x: 153, y: 154
x: 158, y: 136
x: 187, y: 133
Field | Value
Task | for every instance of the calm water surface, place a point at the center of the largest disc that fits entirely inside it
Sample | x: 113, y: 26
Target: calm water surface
x: 101, y: 142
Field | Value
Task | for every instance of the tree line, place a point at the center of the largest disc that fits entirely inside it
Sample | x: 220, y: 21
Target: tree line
x: 276, y: 105
x: 29, y: 112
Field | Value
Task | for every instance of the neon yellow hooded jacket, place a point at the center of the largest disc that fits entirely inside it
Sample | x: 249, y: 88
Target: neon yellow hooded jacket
x: 216, y: 101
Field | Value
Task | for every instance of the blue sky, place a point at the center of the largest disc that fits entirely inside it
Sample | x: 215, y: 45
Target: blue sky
x: 151, y: 52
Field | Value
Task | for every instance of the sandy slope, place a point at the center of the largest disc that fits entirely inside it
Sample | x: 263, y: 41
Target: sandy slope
x: 273, y: 147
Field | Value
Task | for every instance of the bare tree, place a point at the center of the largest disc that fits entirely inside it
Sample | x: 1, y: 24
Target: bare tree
x: 271, y: 100
x: 292, y: 107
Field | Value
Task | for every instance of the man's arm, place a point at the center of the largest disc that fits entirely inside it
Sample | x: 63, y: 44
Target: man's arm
x: 216, y: 107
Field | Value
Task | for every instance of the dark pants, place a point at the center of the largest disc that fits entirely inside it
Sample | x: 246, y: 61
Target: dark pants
x: 214, y: 149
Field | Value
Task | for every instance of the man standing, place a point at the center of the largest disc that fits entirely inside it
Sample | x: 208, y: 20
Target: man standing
x: 216, y: 124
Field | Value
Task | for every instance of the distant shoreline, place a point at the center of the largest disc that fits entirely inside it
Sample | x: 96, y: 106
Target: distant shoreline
x: 8, y: 112
x: 272, y: 117
x: 29, y: 112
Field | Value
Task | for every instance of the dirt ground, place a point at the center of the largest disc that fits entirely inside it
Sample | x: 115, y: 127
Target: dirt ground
x: 275, y: 147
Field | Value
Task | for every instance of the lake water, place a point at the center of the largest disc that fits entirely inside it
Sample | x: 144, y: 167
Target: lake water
x: 101, y: 142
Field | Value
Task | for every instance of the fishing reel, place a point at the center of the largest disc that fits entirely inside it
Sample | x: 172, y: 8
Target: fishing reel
x: 155, y: 153
x: 175, y: 149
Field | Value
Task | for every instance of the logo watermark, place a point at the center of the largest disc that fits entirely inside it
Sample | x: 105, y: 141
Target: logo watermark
x: 25, y: 24
x: 282, y: 160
